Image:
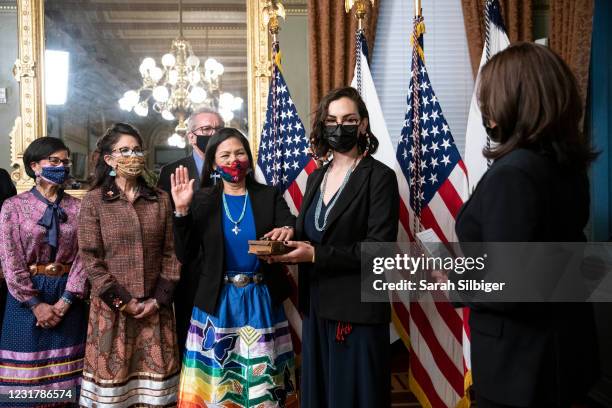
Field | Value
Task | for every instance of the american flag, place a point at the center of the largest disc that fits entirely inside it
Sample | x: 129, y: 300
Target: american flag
x: 433, y: 185
x: 283, y: 161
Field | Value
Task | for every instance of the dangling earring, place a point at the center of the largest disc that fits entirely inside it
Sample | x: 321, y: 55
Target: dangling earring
x: 112, y: 173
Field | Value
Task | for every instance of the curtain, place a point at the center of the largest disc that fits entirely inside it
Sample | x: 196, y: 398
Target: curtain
x: 331, y: 36
x: 571, y: 26
x: 518, y: 18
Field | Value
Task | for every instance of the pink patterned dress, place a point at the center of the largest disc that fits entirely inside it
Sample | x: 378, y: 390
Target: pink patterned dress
x: 33, y: 357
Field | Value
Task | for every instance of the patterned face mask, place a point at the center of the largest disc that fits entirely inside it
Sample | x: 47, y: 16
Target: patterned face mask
x: 235, y: 172
x: 55, y: 174
x: 130, y: 167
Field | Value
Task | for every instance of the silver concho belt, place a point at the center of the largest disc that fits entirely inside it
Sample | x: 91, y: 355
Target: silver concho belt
x: 241, y: 280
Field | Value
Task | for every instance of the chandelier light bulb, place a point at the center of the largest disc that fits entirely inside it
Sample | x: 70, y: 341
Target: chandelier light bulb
x: 148, y: 63
x: 131, y: 98
x: 193, y: 61
x: 197, y: 94
x: 219, y: 69
x: 210, y: 64
x: 176, y: 140
x: 168, y: 60
x: 166, y: 114
x: 226, y: 100
x: 227, y: 115
x: 172, y: 139
x: 142, y: 109
x: 156, y: 73
x: 124, y: 105
x: 144, y: 71
x: 237, y: 104
x: 146, y: 66
x: 161, y: 94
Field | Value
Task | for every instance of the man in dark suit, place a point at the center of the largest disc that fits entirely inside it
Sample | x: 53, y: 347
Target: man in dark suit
x: 201, y: 125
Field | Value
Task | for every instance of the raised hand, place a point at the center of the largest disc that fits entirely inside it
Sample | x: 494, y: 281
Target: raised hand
x: 182, y: 189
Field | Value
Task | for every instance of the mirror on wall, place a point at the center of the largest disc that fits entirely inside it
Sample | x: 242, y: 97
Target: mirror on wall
x: 145, y: 62
x: 9, y: 87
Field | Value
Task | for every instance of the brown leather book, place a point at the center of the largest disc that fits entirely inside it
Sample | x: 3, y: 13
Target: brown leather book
x: 267, y: 247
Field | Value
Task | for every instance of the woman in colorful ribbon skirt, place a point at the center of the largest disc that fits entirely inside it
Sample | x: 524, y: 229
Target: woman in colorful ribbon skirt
x: 238, y: 351
x: 44, y: 326
x: 127, y: 248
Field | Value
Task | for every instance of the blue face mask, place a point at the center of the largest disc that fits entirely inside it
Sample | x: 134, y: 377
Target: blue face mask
x: 55, y: 174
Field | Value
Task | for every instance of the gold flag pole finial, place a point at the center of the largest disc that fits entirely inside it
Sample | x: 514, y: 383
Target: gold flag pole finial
x: 271, y: 11
x: 360, y: 10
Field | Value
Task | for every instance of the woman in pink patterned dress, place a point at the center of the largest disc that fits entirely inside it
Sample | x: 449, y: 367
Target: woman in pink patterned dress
x: 42, y: 341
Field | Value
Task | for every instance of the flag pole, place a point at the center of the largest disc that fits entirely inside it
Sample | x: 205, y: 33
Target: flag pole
x: 360, y: 13
x: 271, y: 11
x: 417, y: 8
x: 360, y: 10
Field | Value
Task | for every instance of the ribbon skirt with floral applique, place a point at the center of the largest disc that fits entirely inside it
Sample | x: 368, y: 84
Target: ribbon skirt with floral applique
x: 242, y: 357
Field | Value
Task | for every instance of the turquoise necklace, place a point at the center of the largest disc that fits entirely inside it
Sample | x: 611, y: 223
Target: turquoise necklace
x: 235, y: 230
x: 333, y: 202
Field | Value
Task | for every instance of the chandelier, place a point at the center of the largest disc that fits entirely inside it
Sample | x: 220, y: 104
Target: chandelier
x: 179, y: 86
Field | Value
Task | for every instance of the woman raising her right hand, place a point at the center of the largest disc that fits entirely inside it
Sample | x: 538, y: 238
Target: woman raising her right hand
x: 238, y: 351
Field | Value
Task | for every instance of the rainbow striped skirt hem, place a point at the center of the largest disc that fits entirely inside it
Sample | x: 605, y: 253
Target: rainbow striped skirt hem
x: 242, y: 357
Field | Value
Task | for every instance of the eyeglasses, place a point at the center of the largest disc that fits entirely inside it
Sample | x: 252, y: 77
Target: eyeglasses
x: 206, y: 130
x: 56, y: 161
x: 346, y: 122
x: 127, y: 152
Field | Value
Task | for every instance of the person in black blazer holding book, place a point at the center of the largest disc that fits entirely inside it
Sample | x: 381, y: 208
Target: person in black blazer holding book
x: 352, y: 199
x: 536, y: 190
x: 238, y: 328
x: 201, y: 125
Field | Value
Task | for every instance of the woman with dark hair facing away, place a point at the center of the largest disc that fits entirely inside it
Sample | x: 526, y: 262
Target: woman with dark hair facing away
x: 352, y: 199
x: 238, y: 351
x: 43, y: 332
x: 127, y: 248
x: 536, y: 190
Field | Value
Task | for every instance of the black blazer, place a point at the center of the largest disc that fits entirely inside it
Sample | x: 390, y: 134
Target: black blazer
x: 202, y: 229
x: 367, y: 210
x: 530, y: 354
x: 170, y: 168
x: 185, y: 290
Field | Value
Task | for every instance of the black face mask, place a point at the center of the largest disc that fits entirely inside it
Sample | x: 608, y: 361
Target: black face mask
x: 202, y: 142
x: 341, y: 138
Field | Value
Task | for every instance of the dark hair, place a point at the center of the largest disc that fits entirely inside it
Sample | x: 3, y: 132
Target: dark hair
x: 104, y: 146
x: 532, y: 96
x: 40, y: 149
x: 318, y: 143
x: 211, y: 149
